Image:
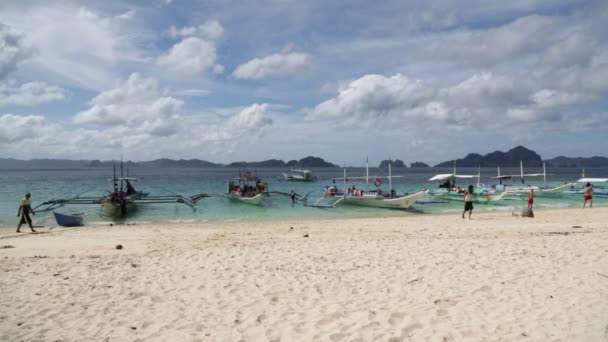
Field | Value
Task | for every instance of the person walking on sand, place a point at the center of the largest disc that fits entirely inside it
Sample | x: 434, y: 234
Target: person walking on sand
x: 24, y: 211
x: 531, y: 199
x: 468, y: 201
x: 588, y: 196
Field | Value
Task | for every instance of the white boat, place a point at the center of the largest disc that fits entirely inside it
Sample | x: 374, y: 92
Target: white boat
x: 241, y: 190
x: 524, y: 189
x: 448, y: 190
x: 369, y: 198
x: 299, y: 175
x: 580, y: 187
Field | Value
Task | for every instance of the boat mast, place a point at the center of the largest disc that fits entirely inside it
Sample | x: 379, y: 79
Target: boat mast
x: 544, y: 175
x: 390, y: 178
x: 344, y: 188
x: 478, y: 175
x: 366, y: 173
x: 121, y: 176
x: 521, y: 171
x: 114, y: 179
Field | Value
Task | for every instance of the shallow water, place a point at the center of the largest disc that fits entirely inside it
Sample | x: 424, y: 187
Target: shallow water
x: 53, y: 184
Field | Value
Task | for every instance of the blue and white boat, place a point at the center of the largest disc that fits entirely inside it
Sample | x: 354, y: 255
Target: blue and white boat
x: 71, y: 220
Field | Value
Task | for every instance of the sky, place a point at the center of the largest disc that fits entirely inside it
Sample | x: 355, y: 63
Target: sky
x: 343, y: 80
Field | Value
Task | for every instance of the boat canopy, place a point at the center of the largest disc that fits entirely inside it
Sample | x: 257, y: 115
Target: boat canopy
x: 592, y: 180
x: 520, y: 176
x: 122, y: 178
x: 445, y: 176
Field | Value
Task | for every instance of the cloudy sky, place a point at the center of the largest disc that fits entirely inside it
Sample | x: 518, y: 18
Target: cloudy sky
x: 252, y: 80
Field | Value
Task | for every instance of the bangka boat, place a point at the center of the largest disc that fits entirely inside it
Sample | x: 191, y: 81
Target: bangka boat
x: 368, y: 198
x: 299, y: 175
x: 118, y: 202
x: 600, y: 187
x: 448, y: 190
x: 240, y: 189
x: 524, y: 189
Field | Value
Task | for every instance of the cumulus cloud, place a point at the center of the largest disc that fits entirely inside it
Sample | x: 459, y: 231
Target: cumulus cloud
x: 274, y: 65
x: 190, y: 56
x: 29, y: 94
x: 372, y: 98
x: 133, y: 101
x: 196, y: 52
x: 15, y: 128
x: 210, y: 30
x: 12, y: 50
x: 483, y: 100
x: 73, y: 44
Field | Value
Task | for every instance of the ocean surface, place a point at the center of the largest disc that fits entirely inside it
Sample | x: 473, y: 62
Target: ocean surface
x: 45, y: 185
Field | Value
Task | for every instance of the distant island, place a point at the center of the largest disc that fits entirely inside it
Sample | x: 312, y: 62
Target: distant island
x: 11, y: 163
x: 394, y: 163
x: 498, y: 158
x: 511, y: 158
x: 528, y: 157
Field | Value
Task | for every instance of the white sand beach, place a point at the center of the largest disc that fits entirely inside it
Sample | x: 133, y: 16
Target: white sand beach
x: 420, y: 278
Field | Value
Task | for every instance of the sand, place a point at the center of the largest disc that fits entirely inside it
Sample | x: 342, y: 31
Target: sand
x: 419, y: 278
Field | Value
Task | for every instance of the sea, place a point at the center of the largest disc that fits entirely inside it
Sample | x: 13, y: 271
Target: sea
x: 45, y: 185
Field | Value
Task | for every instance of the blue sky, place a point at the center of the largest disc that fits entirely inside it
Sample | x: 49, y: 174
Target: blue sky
x: 252, y: 80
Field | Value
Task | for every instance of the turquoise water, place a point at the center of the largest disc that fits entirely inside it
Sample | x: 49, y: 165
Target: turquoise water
x: 52, y: 184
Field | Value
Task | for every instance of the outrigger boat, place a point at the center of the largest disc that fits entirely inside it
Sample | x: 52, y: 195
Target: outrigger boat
x: 598, y: 191
x: 448, y: 190
x: 248, y: 188
x: 119, y: 202
x: 241, y: 190
x: 299, y: 175
x: 523, y: 189
x: 368, y: 198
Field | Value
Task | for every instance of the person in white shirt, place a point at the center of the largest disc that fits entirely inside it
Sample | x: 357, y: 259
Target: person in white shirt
x: 468, y: 201
x: 24, y: 211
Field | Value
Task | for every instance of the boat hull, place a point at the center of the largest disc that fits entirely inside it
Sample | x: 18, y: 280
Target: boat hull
x: 402, y: 202
x: 255, y: 200
x: 68, y: 220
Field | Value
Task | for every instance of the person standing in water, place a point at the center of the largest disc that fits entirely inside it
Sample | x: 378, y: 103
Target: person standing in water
x: 24, y: 211
x: 468, y: 201
x: 588, y: 196
x: 531, y: 199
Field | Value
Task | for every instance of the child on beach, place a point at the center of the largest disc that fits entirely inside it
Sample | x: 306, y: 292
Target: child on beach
x: 468, y: 201
x: 588, y: 196
x: 24, y: 211
x: 531, y: 198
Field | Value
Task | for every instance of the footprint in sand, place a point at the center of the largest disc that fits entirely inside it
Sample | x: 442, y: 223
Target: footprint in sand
x: 396, y: 318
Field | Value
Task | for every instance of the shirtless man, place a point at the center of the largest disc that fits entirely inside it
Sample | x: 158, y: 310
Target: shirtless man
x: 588, y: 196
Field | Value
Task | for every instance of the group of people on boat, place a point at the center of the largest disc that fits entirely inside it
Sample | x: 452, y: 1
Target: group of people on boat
x: 250, y: 190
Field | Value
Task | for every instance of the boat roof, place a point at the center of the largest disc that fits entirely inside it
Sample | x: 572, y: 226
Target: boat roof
x: 299, y: 170
x: 592, y: 180
x: 445, y: 176
x: 519, y: 176
x: 123, y: 178
x: 367, y: 177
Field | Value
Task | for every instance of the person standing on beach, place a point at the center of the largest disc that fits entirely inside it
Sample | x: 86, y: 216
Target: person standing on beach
x: 468, y: 201
x: 588, y: 196
x: 531, y: 199
x: 24, y: 211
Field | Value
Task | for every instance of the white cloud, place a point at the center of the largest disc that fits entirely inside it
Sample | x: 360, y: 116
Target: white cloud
x: 133, y: 101
x: 15, y: 128
x: 372, y: 98
x: 12, y: 50
x: 29, y: 94
x: 210, y: 30
x: 196, y: 52
x: 75, y: 44
x: 190, y: 56
x: 521, y: 37
x: 274, y: 65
